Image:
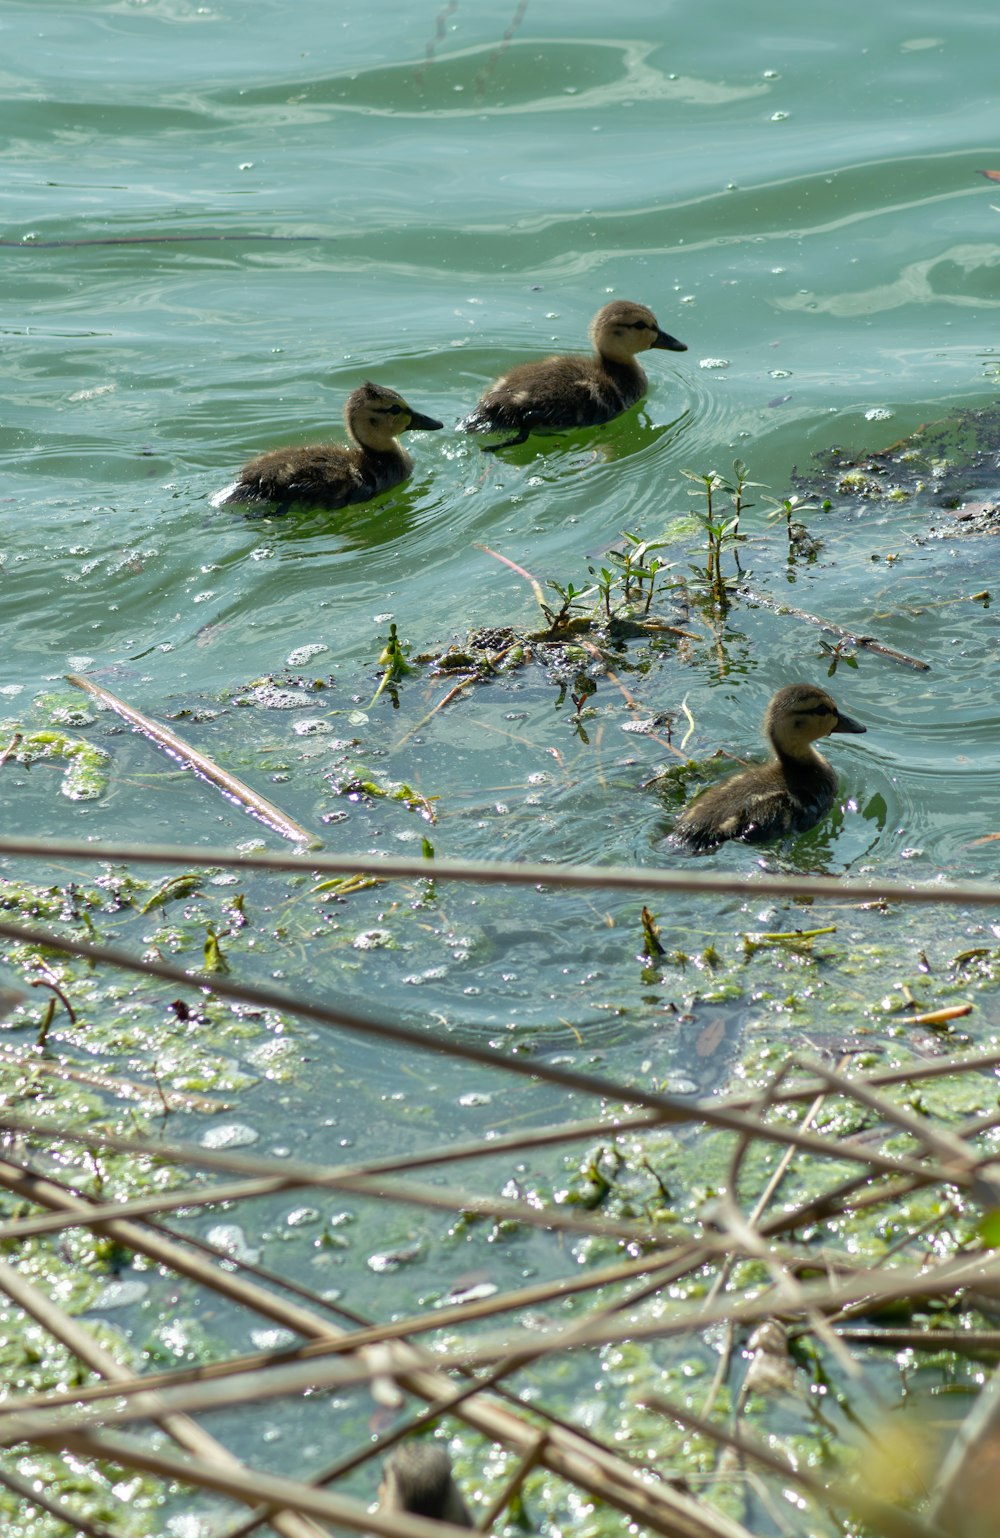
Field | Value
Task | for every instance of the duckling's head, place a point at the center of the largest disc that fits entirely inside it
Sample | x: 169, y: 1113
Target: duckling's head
x: 800, y: 713
x: 418, y: 1478
x: 622, y: 329
x: 375, y: 415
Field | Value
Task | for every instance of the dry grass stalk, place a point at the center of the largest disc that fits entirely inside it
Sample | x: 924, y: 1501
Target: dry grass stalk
x: 840, y: 892
x: 266, y: 1181
x: 567, y: 1453
x: 672, y: 1109
x: 186, y: 1433
x: 276, y: 1491
x: 84, y: 1420
x: 884, y: 1519
x: 697, y: 1317
x: 432, y: 1197
x: 410, y: 1367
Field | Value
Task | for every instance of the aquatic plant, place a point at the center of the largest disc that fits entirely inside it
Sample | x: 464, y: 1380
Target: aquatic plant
x: 721, y: 529
x: 392, y: 659
x: 633, y: 575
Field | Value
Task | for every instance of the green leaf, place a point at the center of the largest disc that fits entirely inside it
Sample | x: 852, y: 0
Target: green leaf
x: 989, y: 1228
x: 215, y: 961
x: 174, y: 890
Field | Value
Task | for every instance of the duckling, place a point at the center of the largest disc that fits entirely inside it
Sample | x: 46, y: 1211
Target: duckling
x: 574, y: 391
x: 418, y: 1478
x: 332, y: 474
x: 787, y: 795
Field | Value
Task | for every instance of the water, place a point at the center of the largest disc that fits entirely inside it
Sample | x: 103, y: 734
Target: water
x: 220, y: 218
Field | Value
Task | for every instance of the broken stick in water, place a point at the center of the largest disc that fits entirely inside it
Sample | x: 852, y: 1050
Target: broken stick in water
x: 190, y: 758
x: 867, y: 641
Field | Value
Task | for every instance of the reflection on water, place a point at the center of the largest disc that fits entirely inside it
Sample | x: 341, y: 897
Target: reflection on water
x: 541, y: 76
x: 376, y: 522
x: 963, y: 275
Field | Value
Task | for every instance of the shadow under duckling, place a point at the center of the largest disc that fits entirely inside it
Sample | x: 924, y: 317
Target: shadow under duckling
x: 574, y: 391
x: 332, y: 475
x: 418, y: 1478
x: 787, y: 795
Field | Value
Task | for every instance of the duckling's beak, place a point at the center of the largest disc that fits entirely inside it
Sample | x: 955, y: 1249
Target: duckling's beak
x: 669, y: 342
x: 847, y: 724
x: 423, y: 424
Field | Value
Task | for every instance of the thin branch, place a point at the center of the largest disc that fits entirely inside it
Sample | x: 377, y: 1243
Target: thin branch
x: 866, y: 641
x: 533, y: 582
x: 190, y: 758
x: 185, y: 1432
x: 673, y: 1109
x: 612, y: 878
x: 884, y: 1518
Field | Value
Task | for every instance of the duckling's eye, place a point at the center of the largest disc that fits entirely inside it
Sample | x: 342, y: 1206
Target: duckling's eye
x: 394, y: 411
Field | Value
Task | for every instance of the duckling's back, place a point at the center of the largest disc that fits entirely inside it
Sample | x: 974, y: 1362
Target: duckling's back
x: 328, y: 475
x: 769, y: 801
x: 558, y: 393
x: 418, y: 1478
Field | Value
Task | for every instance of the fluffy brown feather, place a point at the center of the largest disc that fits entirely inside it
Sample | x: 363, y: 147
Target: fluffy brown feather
x: 789, y: 794
x: 574, y: 390
x: 335, y: 475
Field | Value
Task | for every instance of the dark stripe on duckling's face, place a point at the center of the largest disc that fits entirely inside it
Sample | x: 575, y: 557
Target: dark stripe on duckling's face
x: 800, y: 713
x: 400, y: 417
x: 826, y: 708
x: 660, y: 338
